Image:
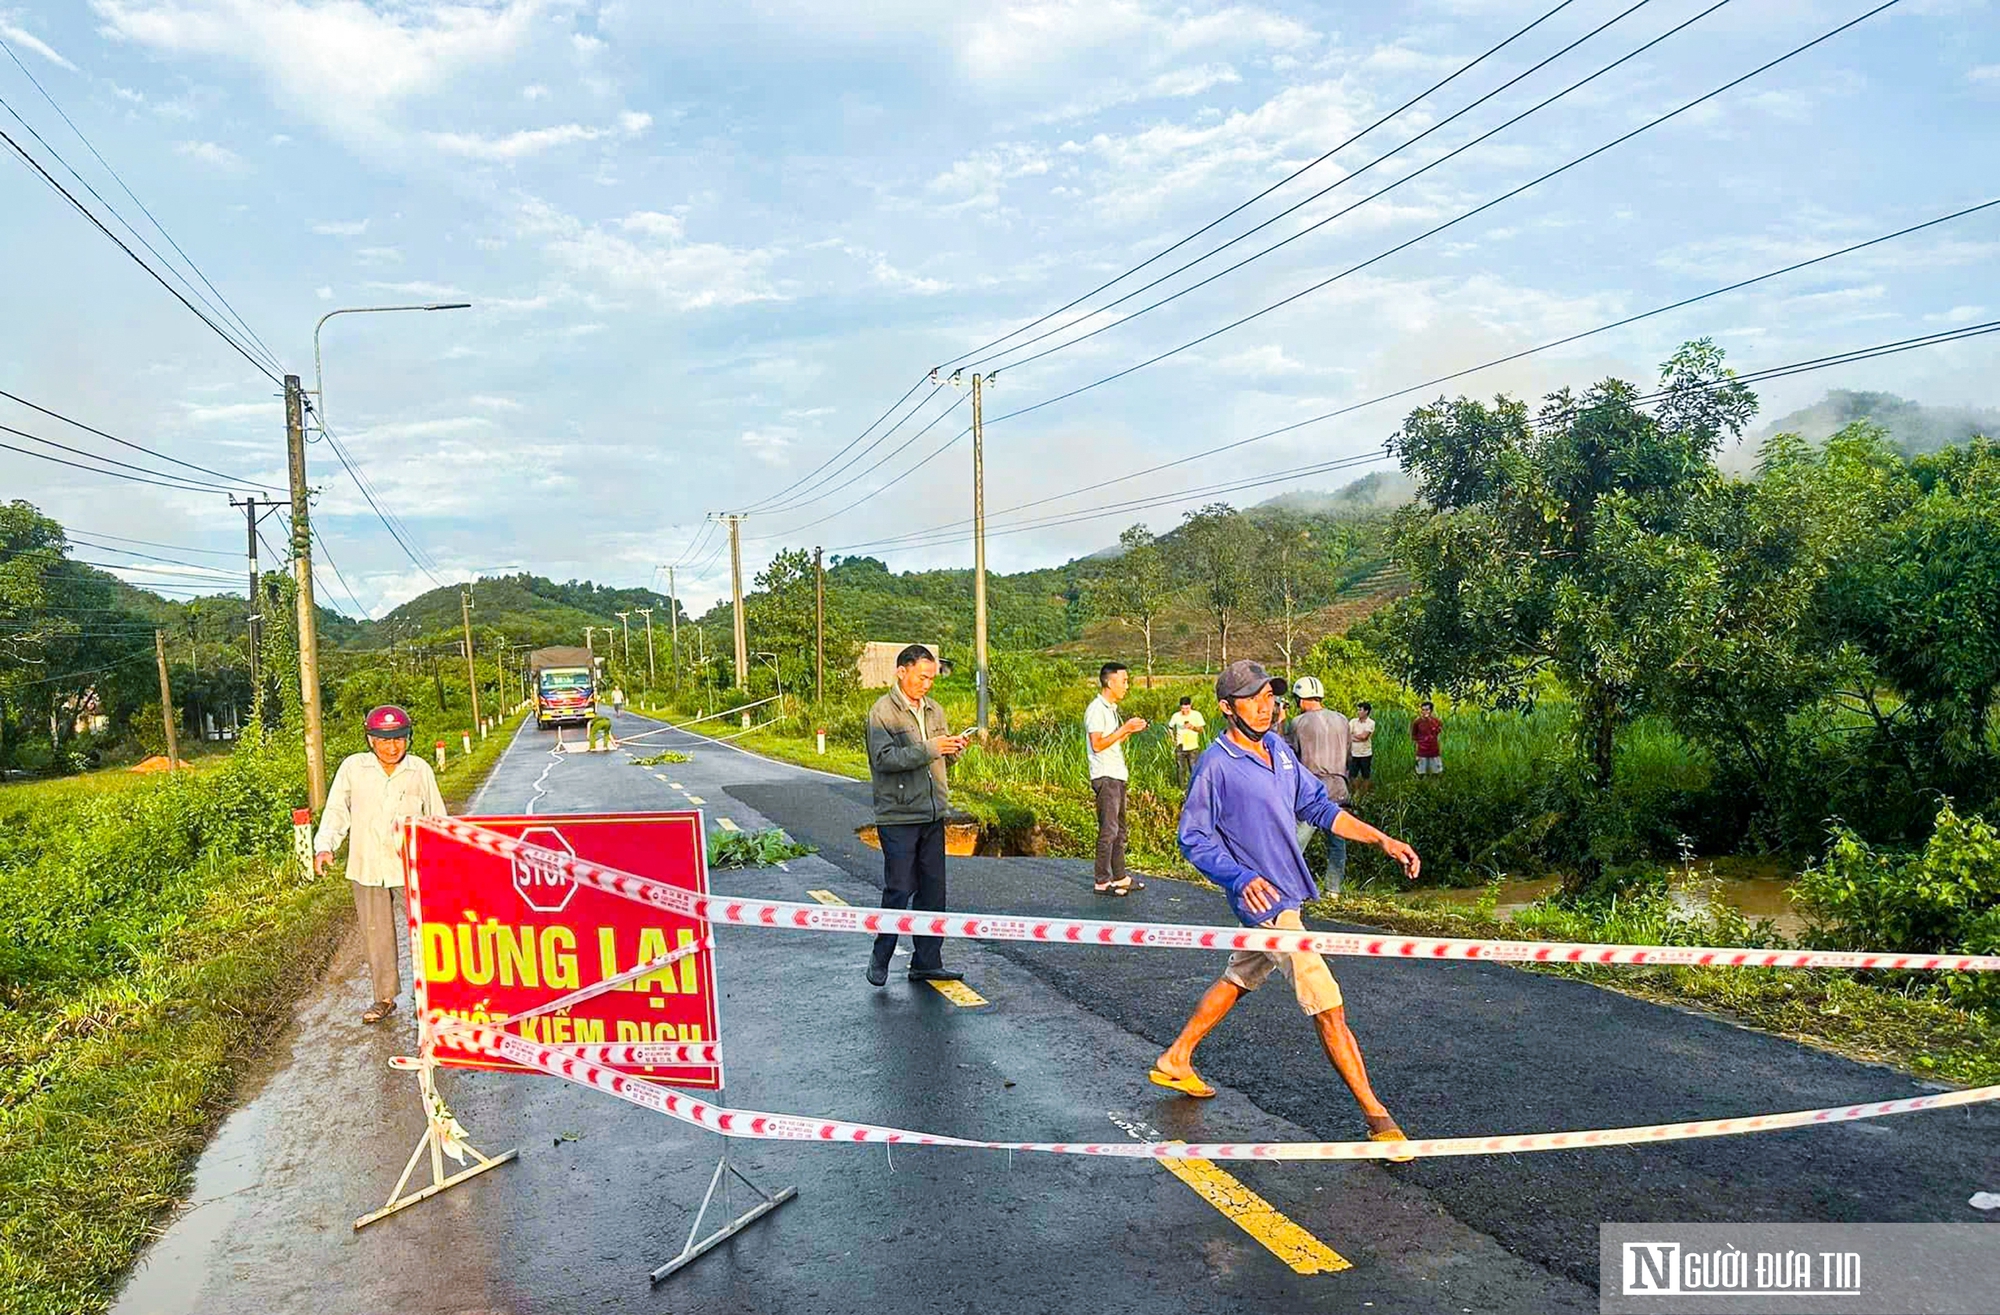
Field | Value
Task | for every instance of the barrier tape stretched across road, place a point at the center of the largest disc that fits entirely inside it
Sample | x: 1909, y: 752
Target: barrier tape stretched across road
x: 1178, y: 936
x: 759, y: 1125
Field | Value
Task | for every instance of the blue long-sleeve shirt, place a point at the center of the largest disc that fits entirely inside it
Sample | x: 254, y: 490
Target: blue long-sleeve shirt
x: 1239, y: 822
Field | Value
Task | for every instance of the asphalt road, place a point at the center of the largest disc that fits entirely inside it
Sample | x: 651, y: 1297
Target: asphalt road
x: 604, y: 1191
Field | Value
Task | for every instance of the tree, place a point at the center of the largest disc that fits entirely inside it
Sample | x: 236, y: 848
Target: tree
x: 1136, y: 588
x: 1214, y: 549
x: 1562, y: 544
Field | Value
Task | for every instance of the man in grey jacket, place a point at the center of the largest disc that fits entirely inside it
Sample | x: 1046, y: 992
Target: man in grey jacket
x: 909, y: 743
x: 1320, y: 737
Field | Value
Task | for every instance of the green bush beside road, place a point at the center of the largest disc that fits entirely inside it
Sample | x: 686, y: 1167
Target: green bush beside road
x: 160, y: 937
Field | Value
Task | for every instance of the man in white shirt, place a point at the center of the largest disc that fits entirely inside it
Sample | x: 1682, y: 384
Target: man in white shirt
x: 372, y: 795
x: 1106, y: 736
x: 1361, y: 749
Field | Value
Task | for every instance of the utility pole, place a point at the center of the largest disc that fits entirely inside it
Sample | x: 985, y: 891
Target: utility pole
x: 295, y: 441
x: 978, y: 542
x: 166, y: 700
x: 588, y: 631
x: 251, y: 518
x: 625, y: 620
x: 819, y: 629
x: 734, y: 520
x: 674, y: 631
x: 647, y: 612
x: 471, y: 672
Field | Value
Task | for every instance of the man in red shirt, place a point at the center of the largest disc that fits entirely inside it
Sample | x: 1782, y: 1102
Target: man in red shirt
x: 1425, y: 730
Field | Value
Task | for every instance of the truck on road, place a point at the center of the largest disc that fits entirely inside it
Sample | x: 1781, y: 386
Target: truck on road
x: 565, y: 686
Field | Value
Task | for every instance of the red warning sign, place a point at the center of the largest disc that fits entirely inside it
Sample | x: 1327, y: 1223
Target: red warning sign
x: 493, y: 937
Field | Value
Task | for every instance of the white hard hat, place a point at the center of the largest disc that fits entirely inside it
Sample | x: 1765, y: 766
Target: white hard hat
x: 1308, y: 687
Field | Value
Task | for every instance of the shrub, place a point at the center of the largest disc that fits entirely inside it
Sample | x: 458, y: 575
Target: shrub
x: 1943, y: 898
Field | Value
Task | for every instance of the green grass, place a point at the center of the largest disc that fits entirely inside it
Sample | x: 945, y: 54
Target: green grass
x: 118, y: 1065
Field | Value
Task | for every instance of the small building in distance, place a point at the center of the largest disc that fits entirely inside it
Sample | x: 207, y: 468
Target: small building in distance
x: 877, y: 663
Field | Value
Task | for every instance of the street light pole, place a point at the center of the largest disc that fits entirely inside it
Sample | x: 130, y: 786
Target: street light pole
x: 319, y: 383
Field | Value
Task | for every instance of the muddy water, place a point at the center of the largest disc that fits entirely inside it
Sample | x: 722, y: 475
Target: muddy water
x: 1752, y: 888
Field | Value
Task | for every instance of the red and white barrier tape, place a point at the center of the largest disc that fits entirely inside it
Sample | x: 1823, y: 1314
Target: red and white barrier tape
x: 758, y: 1125
x: 1178, y: 936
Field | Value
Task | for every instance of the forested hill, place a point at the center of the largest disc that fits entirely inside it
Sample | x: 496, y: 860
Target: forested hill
x: 528, y: 608
x: 1913, y: 427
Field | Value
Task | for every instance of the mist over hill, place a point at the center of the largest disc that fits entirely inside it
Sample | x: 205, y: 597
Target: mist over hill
x: 1914, y: 427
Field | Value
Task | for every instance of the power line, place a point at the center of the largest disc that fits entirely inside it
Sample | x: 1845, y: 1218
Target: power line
x: 1282, y: 182
x: 85, y: 211
x: 368, y: 494
x: 865, y: 473
x: 88, y: 671
x: 152, y: 543
x: 881, y: 438
x: 365, y: 613
x: 133, y: 552
x: 765, y: 504
x: 269, y: 356
x: 136, y: 447
x: 1766, y: 374
x: 1507, y: 359
x: 1450, y: 223
x: 1350, y: 177
x: 177, y: 485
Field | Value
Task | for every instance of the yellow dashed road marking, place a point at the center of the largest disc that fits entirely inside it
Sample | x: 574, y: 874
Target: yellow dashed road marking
x: 697, y: 802
x: 960, y: 994
x: 726, y: 824
x: 957, y: 992
x: 676, y: 784
x: 1298, y: 1249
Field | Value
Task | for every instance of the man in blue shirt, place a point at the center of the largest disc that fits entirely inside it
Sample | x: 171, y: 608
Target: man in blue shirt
x: 1238, y: 828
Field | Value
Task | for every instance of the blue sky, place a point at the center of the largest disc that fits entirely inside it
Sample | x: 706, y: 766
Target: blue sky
x: 708, y: 245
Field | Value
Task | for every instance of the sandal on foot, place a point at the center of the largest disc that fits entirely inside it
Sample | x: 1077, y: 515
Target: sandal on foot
x: 378, y: 1011
x: 1388, y: 1132
x: 1119, y: 888
x: 1191, y: 1085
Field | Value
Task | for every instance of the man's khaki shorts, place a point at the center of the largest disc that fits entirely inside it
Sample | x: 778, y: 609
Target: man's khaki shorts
x: 1312, y: 981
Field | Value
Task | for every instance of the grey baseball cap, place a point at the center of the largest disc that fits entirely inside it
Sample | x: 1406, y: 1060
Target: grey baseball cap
x: 1242, y: 679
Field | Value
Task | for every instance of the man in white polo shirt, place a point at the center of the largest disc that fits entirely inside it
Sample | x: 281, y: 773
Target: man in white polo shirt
x: 1105, y: 735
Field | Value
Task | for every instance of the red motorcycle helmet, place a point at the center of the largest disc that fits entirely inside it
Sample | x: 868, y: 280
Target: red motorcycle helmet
x: 387, y: 722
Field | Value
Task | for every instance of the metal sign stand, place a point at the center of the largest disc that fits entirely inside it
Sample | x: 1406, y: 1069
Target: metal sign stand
x: 438, y: 1129
x: 692, y: 1250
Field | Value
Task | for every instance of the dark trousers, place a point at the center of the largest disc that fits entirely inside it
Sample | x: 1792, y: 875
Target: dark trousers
x: 1111, y: 834
x: 1184, y: 764
x: 912, y: 878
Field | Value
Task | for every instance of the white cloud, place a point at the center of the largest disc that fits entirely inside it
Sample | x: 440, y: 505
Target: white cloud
x: 229, y: 412
x: 418, y: 288
x: 22, y: 37
x: 213, y: 155
x: 379, y: 255
x: 324, y: 294
x: 888, y: 274
x: 534, y: 92
x: 345, y: 64
x: 1987, y: 75
x: 515, y: 145
x: 634, y: 122
x: 489, y: 403
x: 681, y: 274
x: 341, y: 227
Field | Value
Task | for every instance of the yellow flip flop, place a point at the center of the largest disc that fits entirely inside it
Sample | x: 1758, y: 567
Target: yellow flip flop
x: 1392, y: 1133
x: 1191, y: 1085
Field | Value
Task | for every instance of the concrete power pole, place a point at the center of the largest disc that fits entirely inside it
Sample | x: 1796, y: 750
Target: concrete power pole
x: 166, y: 700
x: 979, y: 546
x: 673, y: 630
x: 734, y: 520
x: 819, y: 629
x: 471, y: 671
x: 295, y: 444
x: 255, y: 619
x: 625, y: 620
x: 651, y: 679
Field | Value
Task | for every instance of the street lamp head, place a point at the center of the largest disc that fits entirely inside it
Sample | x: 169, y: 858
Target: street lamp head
x: 449, y: 305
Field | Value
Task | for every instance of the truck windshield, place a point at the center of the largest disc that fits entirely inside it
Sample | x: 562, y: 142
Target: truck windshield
x: 564, y: 682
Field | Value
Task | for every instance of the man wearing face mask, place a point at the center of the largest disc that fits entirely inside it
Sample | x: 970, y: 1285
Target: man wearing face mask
x: 1238, y: 828
x: 372, y: 795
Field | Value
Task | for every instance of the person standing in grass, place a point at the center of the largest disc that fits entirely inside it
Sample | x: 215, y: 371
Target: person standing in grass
x: 372, y: 795
x: 1106, y: 734
x: 1425, y: 731
x: 1186, y: 726
x: 1320, y: 737
x: 1361, y: 749
x: 1237, y: 830
x: 909, y: 743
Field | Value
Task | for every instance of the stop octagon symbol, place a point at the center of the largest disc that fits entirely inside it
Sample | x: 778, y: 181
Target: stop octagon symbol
x: 540, y: 884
